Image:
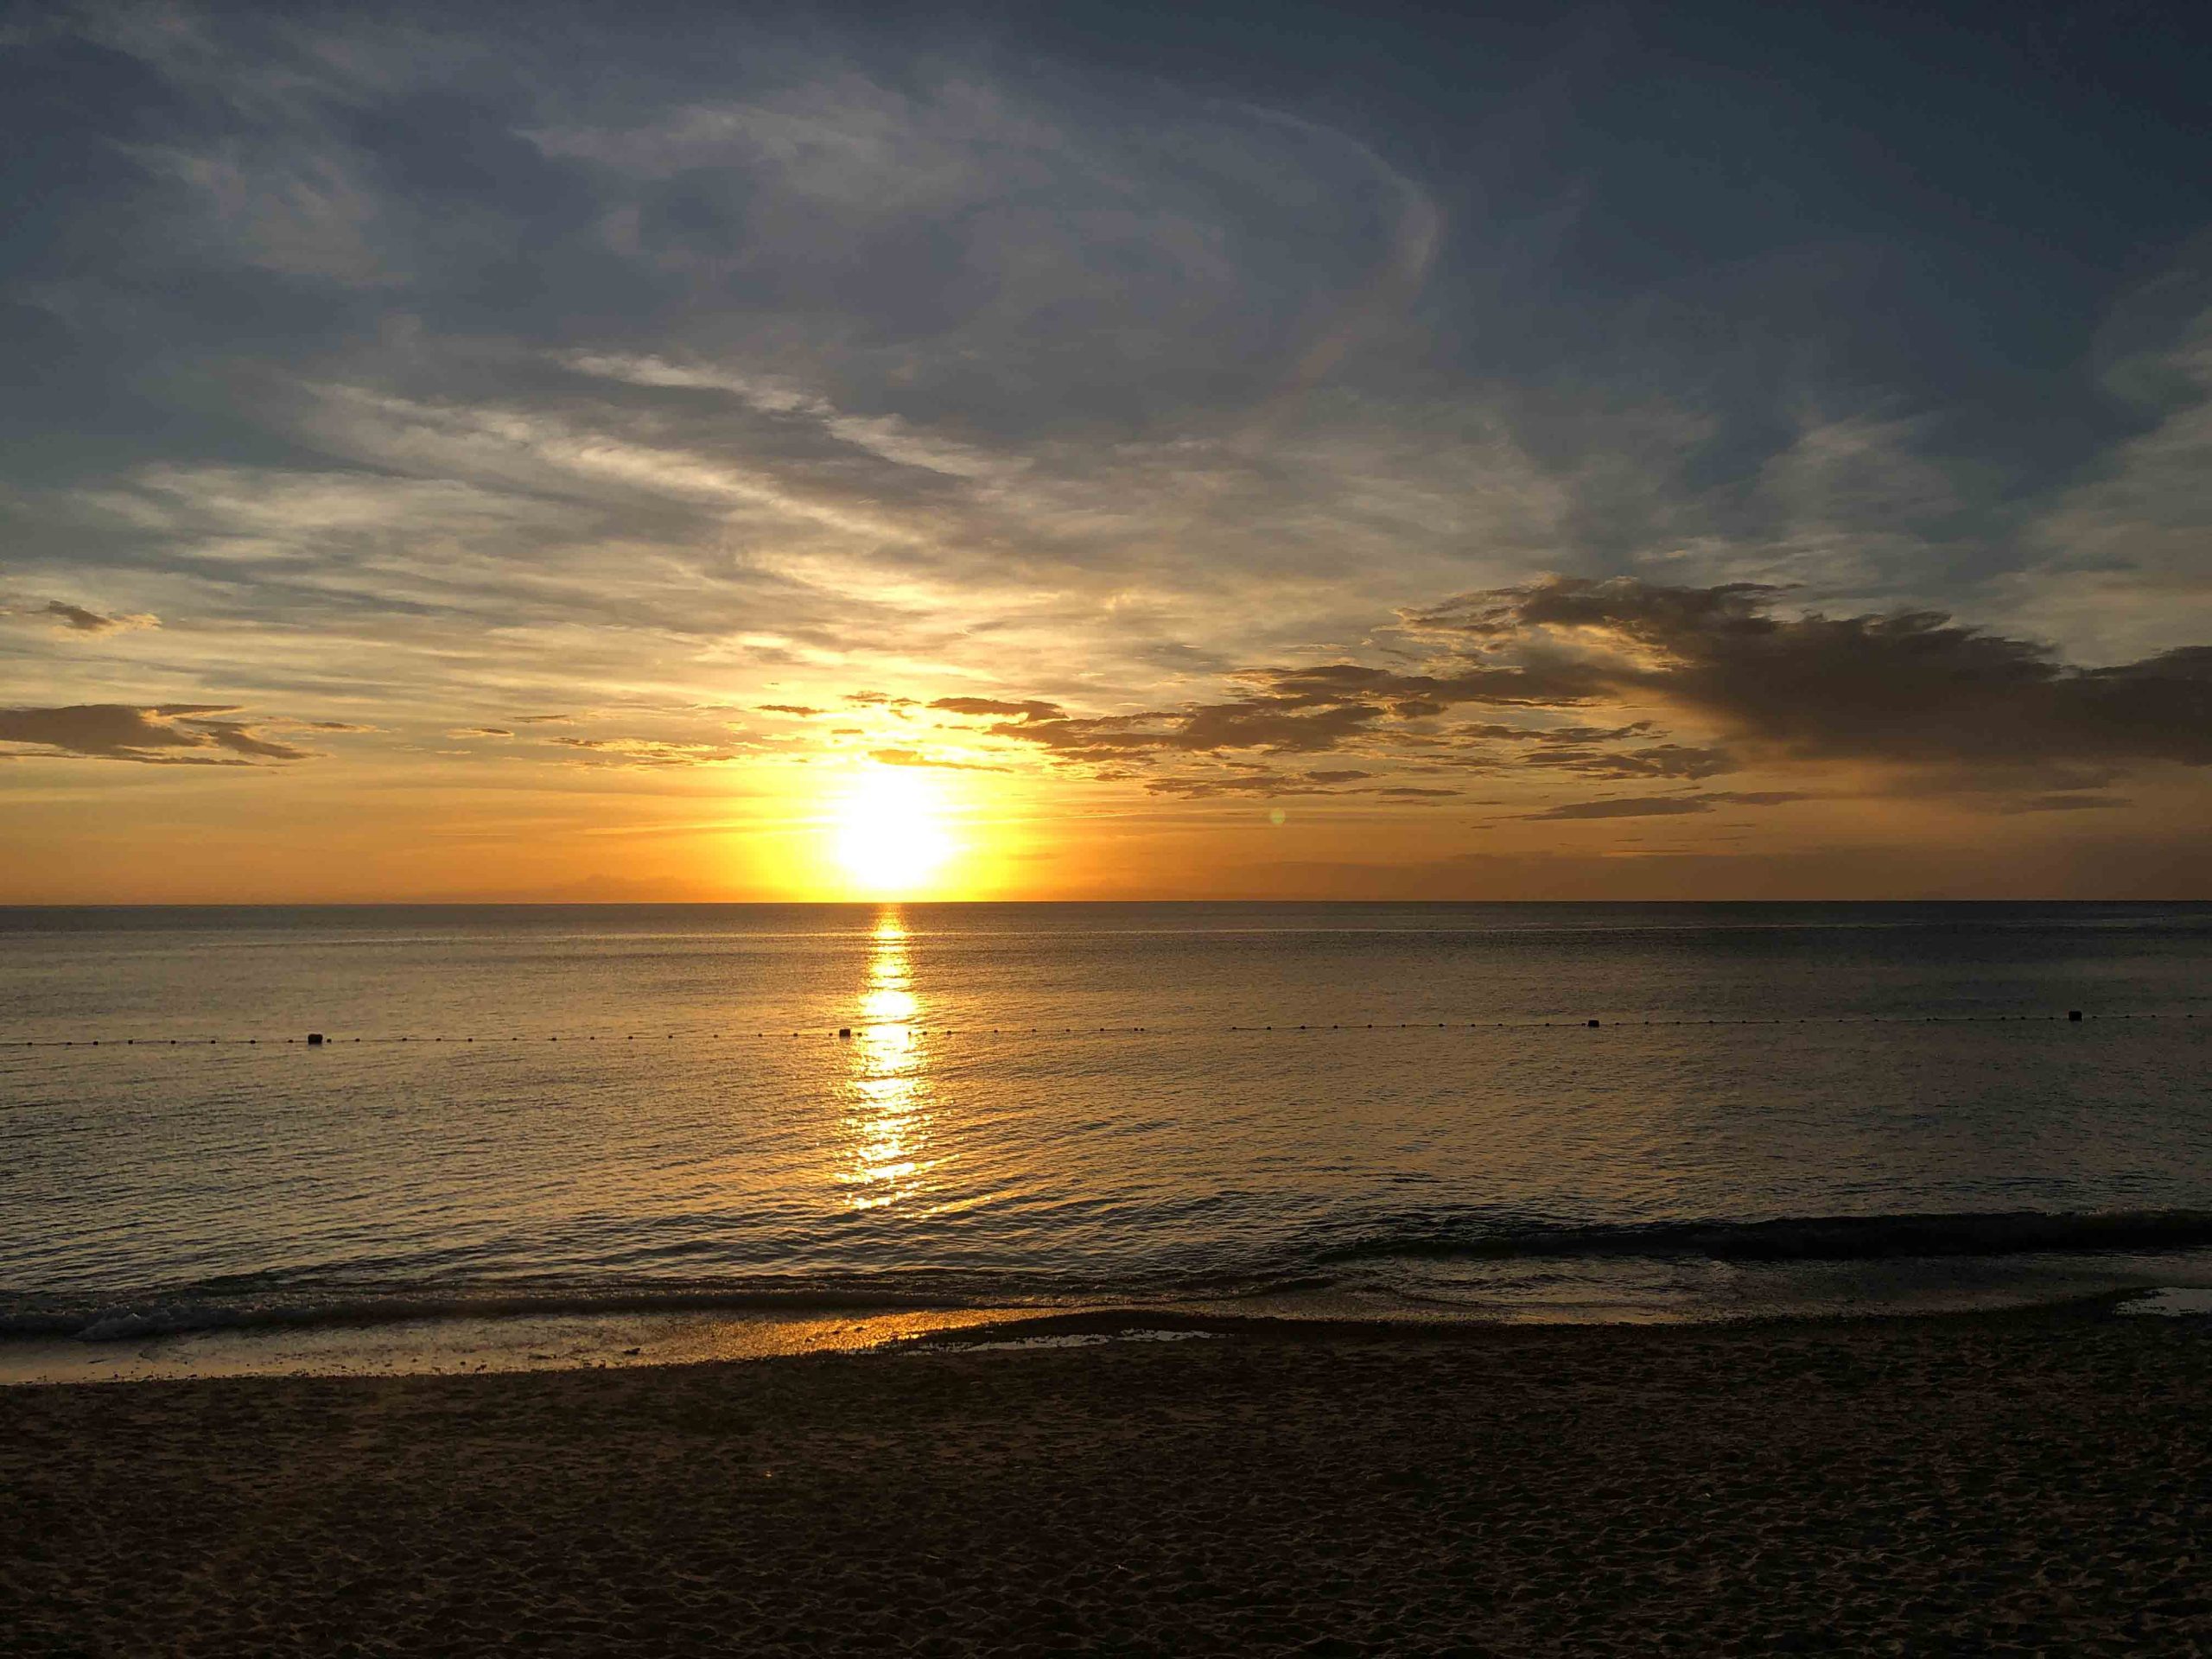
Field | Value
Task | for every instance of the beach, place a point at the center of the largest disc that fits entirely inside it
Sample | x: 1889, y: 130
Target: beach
x: 2020, y: 1483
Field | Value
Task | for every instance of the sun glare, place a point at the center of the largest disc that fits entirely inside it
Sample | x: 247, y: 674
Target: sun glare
x: 890, y: 831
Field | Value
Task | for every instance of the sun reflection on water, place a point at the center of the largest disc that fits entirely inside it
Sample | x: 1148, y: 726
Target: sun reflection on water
x: 887, y: 1089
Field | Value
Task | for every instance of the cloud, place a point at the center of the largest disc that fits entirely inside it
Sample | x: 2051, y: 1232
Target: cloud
x: 994, y: 706
x: 2065, y: 801
x: 916, y: 758
x: 757, y: 361
x: 1660, y: 806
x: 1266, y: 786
x: 2120, y: 552
x: 168, y: 735
x: 1911, y: 687
x: 480, y: 731
x: 1949, y: 709
x: 1907, y: 687
x: 1274, y: 725
x: 649, y: 752
x: 75, y: 619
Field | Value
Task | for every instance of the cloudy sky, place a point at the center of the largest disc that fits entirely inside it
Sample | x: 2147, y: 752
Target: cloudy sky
x: 626, y: 452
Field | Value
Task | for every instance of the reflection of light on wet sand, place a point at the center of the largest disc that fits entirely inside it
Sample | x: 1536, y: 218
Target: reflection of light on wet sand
x: 886, y: 1090
x: 552, y: 1341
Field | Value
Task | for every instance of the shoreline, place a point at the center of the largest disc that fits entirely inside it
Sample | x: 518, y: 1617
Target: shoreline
x: 619, y: 1333
x: 2022, y: 1482
x: 623, y: 1336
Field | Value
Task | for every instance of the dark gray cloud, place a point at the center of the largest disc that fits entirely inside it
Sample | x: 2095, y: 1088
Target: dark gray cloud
x: 1263, y: 786
x: 168, y: 735
x: 1960, y: 708
x: 1287, y: 725
x: 429, y: 364
x: 75, y: 619
x: 1662, y: 806
x: 1913, y: 686
x: 1908, y: 686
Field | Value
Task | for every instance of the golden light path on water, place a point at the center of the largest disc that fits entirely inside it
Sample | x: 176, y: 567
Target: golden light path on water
x: 887, y: 1096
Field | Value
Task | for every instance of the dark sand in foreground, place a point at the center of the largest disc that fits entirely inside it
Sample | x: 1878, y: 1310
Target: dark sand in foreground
x: 2013, y: 1485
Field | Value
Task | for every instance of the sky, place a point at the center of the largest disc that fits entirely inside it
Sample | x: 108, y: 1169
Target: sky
x: 702, y: 452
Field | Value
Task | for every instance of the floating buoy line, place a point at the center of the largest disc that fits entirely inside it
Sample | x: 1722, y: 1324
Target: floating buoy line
x: 848, y: 1034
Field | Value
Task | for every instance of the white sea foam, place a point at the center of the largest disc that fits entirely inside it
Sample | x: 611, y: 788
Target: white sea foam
x: 2172, y: 1301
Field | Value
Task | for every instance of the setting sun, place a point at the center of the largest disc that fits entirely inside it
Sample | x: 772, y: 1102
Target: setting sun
x: 890, y: 832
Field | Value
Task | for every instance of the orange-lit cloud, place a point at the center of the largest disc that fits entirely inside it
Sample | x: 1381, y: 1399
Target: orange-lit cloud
x: 1215, y: 489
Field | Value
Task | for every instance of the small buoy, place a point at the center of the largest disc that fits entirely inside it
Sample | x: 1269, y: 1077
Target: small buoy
x: 2073, y: 1014
x: 1593, y: 1025
x: 844, y: 1031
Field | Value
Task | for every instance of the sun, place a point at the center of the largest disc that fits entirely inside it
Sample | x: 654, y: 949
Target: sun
x: 889, y: 830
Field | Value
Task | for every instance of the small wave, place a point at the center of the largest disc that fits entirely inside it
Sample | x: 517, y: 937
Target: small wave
x: 139, y: 1321
x: 1810, y: 1238
x: 252, y: 1302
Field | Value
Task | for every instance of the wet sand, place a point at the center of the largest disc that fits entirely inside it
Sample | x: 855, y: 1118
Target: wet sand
x: 2025, y: 1483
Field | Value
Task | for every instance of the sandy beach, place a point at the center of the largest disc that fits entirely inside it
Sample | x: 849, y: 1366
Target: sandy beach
x: 2030, y: 1484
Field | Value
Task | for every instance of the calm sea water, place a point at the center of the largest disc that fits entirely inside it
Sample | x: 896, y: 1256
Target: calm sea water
x: 1394, y: 1110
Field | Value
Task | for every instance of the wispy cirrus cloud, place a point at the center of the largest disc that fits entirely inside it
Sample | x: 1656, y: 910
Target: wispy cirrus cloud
x: 1093, y: 409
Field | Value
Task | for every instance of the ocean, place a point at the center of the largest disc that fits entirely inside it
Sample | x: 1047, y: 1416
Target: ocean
x: 828, y: 1120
